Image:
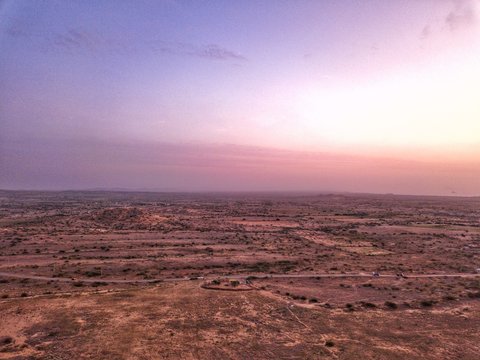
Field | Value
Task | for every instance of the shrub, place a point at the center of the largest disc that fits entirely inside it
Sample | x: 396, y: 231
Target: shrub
x: 391, y: 305
x: 426, y: 303
x: 474, y: 295
x: 92, y: 273
x: 5, y: 340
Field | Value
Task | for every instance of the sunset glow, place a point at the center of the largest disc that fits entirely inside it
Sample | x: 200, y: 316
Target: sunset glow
x: 370, y: 96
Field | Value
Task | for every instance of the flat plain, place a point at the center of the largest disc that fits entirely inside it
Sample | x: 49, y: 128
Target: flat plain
x: 143, y: 275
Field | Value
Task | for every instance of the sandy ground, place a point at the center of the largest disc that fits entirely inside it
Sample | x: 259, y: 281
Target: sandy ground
x: 88, y: 265
x: 184, y: 321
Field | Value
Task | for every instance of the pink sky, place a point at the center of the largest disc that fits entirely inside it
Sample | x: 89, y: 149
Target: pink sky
x: 370, y: 96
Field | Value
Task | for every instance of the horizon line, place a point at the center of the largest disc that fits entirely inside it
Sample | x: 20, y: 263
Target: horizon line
x: 239, y: 192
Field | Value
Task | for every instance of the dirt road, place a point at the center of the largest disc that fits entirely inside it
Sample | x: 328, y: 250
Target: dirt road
x: 243, y: 276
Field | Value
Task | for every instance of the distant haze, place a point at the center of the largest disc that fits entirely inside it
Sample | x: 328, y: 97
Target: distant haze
x: 362, y: 96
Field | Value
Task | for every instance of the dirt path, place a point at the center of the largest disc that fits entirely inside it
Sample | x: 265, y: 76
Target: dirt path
x: 262, y: 276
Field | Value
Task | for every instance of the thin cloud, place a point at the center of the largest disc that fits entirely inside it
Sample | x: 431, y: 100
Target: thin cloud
x: 77, y: 39
x: 426, y: 32
x: 211, y: 51
x: 74, y: 40
x: 16, y: 31
x: 217, y: 52
x: 464, y: 14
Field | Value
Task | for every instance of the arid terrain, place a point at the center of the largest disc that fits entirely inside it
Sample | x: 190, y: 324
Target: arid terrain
x: 117, y: 275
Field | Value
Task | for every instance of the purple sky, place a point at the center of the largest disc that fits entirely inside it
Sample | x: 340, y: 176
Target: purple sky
x: 368, y: 96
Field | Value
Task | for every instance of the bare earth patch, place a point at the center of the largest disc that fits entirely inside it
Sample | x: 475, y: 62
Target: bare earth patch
x: 111, y: 275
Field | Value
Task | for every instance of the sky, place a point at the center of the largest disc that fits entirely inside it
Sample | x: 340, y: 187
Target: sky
x: 336, y: 95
